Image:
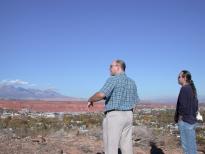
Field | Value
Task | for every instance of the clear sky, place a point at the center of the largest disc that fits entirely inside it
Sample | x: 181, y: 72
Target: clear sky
x: 69, y: 45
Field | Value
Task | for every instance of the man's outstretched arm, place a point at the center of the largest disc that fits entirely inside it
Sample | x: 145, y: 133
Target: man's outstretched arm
x: 96, y: 97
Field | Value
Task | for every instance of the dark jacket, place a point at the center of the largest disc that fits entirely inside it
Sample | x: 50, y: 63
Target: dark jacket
x: 187, y: 105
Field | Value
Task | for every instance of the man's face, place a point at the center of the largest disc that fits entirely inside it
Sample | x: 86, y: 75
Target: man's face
x: 114, y: 68
x: 181, y: 79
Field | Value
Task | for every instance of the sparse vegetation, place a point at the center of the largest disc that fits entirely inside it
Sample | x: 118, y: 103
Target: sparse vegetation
x: 89, y: 126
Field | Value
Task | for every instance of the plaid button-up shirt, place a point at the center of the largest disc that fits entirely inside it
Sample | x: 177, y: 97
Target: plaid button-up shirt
x: 121, y: 93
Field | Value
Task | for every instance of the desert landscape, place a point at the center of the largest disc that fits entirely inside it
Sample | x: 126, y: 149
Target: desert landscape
x: 59, y: 127
x: 58, y: 54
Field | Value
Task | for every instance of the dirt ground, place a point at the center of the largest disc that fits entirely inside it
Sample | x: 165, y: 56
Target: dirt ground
x: 73, y: 142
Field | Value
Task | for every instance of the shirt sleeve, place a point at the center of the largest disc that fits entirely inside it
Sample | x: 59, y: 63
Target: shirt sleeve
x: 137, y: 99
x: 108, y: 87
x: 197, y: 105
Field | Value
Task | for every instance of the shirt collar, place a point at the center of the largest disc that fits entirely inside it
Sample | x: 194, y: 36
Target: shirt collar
x: 123, y: 73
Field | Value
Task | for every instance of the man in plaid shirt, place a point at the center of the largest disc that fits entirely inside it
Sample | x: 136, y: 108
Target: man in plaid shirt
x: 120, y: 94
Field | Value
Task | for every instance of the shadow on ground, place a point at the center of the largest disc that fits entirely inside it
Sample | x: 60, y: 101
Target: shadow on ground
x: 155, y: 149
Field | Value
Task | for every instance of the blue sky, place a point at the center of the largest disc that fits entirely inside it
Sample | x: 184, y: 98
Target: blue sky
x: 69, y: 45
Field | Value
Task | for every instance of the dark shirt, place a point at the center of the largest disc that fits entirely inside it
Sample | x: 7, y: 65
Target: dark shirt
x: 187, y: 105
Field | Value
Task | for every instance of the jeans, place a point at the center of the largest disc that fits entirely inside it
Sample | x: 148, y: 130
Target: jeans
x: 188, y: 137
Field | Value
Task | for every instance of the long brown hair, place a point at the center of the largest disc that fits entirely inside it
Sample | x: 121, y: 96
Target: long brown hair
x: 189, y: 80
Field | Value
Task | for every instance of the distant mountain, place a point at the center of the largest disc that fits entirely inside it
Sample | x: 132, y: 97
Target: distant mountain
x: 163, y: 100
x: 202, y: 99
x: 13, y: 92
x: 169, y: 100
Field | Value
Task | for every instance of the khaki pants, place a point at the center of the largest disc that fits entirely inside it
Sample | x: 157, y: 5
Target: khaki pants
x: 117, y: 132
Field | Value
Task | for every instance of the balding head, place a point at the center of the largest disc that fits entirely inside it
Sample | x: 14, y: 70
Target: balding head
x: 117, y: 67
x: 122, y: 64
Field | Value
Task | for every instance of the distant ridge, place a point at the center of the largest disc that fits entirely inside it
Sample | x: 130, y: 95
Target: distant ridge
x: 169, y: 100
x: 11, y: 92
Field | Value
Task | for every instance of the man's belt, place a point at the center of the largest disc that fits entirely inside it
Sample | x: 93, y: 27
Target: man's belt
x: 106, y: 112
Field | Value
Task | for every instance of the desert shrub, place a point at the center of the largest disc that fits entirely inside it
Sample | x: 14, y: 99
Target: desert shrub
x: 90, y: 120
x: 200, y: 139
x: 5, y: 122
x: 67, y: 119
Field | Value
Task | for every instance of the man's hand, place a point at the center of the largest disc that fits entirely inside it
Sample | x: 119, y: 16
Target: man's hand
x: 90, y: 104
x: 96, y: 97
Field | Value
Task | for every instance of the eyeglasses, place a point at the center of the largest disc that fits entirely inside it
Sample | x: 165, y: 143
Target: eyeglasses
x: 112, y: 66
x: 180, y: 77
